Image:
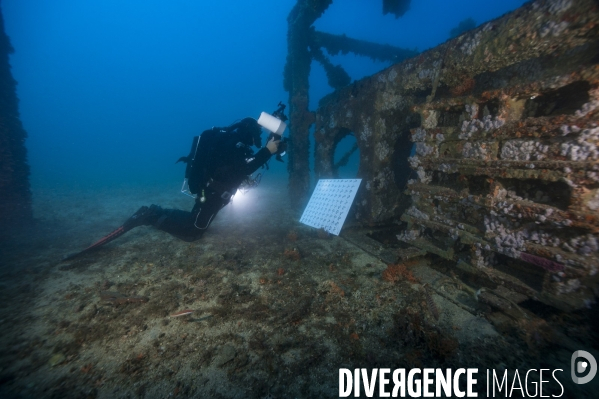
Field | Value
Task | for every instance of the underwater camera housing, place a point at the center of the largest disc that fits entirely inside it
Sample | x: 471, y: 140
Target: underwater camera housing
x: 275, y: 123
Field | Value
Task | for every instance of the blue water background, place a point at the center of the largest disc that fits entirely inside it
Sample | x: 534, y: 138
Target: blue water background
x: 112, y: 92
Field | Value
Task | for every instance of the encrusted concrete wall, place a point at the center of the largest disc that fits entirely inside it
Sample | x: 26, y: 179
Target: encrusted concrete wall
x: 505, y: 179
x: 15, y: 194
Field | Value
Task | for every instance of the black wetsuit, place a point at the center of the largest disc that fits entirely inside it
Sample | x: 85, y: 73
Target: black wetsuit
x: 231, y: 162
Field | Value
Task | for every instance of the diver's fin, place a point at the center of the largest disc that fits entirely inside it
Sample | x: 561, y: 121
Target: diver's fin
x: 104, y: 240
x: 143, y: 216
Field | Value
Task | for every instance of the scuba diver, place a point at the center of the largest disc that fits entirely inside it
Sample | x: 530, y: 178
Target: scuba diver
x: 221, y: 159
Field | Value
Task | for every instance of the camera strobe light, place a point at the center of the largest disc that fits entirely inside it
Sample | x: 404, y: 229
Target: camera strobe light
x: 272, y: 123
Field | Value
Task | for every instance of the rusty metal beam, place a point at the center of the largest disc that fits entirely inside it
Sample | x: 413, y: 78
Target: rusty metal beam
x: 296, y: 82
x: 335, y: 44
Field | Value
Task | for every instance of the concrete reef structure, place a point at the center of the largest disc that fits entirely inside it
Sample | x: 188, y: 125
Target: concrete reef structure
x: 504, y: 176
x: 15, y: 194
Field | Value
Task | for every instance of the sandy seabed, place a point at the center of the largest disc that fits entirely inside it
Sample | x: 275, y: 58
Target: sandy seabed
x: 278, y: 307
